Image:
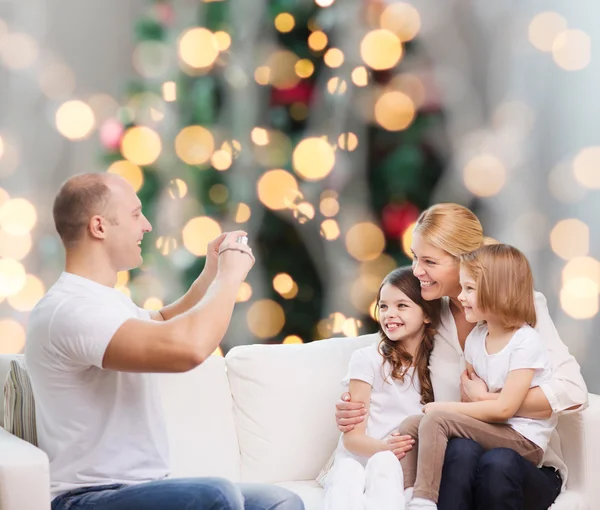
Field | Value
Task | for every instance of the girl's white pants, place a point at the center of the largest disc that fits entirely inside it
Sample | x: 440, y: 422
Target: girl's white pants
x: 377, y: 486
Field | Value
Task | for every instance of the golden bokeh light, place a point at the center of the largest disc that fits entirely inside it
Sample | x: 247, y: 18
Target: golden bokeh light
x: 336, y: 85
x: 579, y: 298
x: 284, y: 22
x: 348, y: 141
x: 334, y: 58
x: 198, y: 48
x: 198, y: 232
x: 194, y: 145
x: 283, y: 283
x: 394, y: 111
x: 381, y: 49
x: 571, y: 50
x: 221, y: 160
x: 317, y: 41
x: 243, y: 213
x: 586, y: 167
x: 324, y: 3
x: 19, y: 50
x: 218, y: 193
x: 153, y: 303
x: 233, y: 147
x: 544, y: 28
x: 276, y: 153
x: 265, y: 318
x: 360, y: 76
x: 17, y: 216
x: 29, y: 295
x: 223, y: 40
x: 130, y: 172
x: 4, y: 196
x: 282, y: 67
x: 570, y: 238
x: 330, y: 230
x: 262, y: 75
x: 407, y: 236
x: 484, y: 175
x: 244, y: 293
x: 313, y: 159
x: 218, y: 352
x: 12, y: 336
x: 178, y: 188
x: 14, y: 247
x: 410, y: 85
x: 141, y: 145
x: 402, y: 19
x: 75, y: 120
x: 292, y: 293
x: 277, y: 189
x: 169, y: 91
x: 304, y: 212
x: 259, y: 136
x: 582, y: 267
x: 12, y: 277
x: 351, y: 327
x: 166, y: 245
x: 292, y: 339
x: 365, y: 241
x: 124, y: 290
x: 373, y: 311
x: 329, y: 207
x: 304, y: 68
x: 122, y: 278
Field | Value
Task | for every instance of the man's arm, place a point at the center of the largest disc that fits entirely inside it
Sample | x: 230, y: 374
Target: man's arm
x: 185, y: 341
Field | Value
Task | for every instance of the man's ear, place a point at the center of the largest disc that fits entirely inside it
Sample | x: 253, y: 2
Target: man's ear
x: 97, y: 227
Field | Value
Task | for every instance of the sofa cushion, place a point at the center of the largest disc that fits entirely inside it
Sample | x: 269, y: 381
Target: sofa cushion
x: 19, y: 405
x: 284, y: 405
x: 5, y: 360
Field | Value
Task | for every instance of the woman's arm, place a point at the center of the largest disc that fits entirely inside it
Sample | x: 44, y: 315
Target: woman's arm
x: 509, y: 400
x: 356, y: 441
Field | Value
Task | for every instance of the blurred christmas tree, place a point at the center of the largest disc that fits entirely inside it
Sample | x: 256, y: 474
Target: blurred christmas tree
x: 294, y: 121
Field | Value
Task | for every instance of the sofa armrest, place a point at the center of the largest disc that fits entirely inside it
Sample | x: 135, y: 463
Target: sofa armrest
x: 24, y: 475
x: 580, y: 445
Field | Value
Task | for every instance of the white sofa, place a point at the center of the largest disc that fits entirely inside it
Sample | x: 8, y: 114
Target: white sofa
x: 265, y: 413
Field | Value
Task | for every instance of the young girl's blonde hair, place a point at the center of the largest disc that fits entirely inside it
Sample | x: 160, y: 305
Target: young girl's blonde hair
x: 450, y: 227
x: 504, y: 283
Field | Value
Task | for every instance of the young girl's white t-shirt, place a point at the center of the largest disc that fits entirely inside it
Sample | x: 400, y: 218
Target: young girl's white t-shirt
x: 524, y: 350
x: 391, y: 400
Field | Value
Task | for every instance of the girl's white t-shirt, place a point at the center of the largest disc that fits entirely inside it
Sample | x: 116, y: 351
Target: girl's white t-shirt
x: 525, y: 350
x: 391, y: 400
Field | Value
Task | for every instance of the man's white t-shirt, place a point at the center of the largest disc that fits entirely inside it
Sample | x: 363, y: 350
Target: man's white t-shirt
x: 391, y: 400
x: 524, y: 350
x: 97, y: 426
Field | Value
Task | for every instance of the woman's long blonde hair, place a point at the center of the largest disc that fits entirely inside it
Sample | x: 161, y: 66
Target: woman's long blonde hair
x: 450, y: 227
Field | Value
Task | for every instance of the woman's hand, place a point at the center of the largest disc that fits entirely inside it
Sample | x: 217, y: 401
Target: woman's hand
x: 472, y: 389
x: 441, y: 406
x: 348, y: 414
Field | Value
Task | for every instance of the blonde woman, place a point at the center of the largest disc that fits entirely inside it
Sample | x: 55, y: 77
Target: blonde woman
x: 473, y: 478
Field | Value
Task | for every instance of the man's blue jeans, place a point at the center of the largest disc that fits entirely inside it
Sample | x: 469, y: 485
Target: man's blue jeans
x: 499, y: 479
x: 180, y: 494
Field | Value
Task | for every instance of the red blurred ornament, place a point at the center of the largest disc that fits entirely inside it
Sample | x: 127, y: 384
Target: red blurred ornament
x: 165, y: 13
x: 300, y: 93
x: 111, y: 133
x: 396, y: 218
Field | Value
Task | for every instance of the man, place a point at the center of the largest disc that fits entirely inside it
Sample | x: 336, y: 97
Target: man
x: 91, y: 351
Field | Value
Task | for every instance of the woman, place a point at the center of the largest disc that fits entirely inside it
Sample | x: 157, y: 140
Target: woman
x: 473, y: 478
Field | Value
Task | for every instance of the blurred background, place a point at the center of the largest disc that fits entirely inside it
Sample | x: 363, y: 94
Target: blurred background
x: 321, y: 127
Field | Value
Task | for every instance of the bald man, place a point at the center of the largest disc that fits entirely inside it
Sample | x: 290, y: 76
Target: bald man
x: 91, y: 354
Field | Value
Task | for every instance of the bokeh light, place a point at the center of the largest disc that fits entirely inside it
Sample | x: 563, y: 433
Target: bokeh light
x: 75, y: 120
x: 571, y: 50
x: 14, y: 247
x: 277, y: 189
x: 198, y: 232
x: 12, y: 277
x: 360, y: 77
x: 579, y: 298
x: 178, y: 188
x: 570, y: 238
x: 244, y: 293
x: 169, y: 91
x: 141, y: 145
x: 265, y: 318
x: 365, y: 241
x: 284, y: 22
x: 130, y: 172
x: 166, y: 245
x: 12, y: 336
x: 348, y: 141
x: 586, y: 167
x: 304, y: 68
x: 402, y: 19
x: 329, y: 206
x: 330, y: 230
x: 198, y: 48
x: 223, y: 40
x: 19, y: 50
x: 29, y: 295
x: 484, y: 175
x: 17, y: 216
x: 394, y: 111
x: 317, y: 41
x: 292, y: 339
x: 153, y: 303
x: 407, y: 236
x: 221, y: 160
x: 218, y: 193
x: 381, y: 49
x: 282, y: 69
x: 243, y: 213
x: 194, y: 145
x: 304, y: 212
x: 313, y: 159
x: 336, y: 85
x: 544, y: 28
x: 582, y: 267
x: 334, y: 58
x: 283, y: 283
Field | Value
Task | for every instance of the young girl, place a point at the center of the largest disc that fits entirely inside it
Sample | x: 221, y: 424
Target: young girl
x: 507, y: 353
x: 392, y: 378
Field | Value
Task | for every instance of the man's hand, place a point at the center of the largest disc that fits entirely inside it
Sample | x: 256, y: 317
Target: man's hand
x: 233, y: 258
x: 399, y: 445
x: 472, y: 389
x: 348, y: 414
